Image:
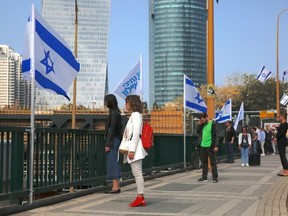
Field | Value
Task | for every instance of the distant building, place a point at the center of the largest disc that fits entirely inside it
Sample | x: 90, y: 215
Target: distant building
x: 92, y: 49
x: 14, y: 92
x: 177, y: 46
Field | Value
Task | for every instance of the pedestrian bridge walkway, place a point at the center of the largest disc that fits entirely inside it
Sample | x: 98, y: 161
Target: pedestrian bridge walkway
x: 245, y: 191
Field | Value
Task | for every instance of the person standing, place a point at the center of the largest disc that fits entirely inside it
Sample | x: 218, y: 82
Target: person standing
x: 274, y: 142
x: 282, y: 143
x: 112, y: 138
x: 208, y: 146
x: 230, y: 136
x: 256, y: 146
x: 244, y: 142
x: 136, y: 152
x: 268, y: 139
x: 262, y: 141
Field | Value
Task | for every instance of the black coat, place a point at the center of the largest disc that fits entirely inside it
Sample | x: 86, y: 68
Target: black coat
x: 281, y: 134
x: 113, y: 127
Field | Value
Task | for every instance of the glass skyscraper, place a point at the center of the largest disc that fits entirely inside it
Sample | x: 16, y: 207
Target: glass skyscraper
x: 177, y: 46
x: 93, y: 35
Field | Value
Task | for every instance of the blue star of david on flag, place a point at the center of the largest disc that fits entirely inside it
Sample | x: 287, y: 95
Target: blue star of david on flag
x: 193, y: 100
x: 47, y: 62
x: 263, y: 74
x: 198, y: 98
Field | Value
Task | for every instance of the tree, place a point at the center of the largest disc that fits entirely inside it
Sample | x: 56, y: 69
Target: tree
x: 256, y: 95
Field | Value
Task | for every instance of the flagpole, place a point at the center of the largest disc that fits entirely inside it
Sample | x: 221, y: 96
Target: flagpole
x: 74, y: 90
x: 75, y: 54
x: 277, y: 64
x: 184, y: 122
x: 32, y: 121
x: 141, y: 77
x: 210, y: 60
x: 243, y: 115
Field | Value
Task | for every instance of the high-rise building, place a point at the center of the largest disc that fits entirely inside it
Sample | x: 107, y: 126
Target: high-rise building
x: 14, y: 92
x: 92, y: 49
x: 177, y: 46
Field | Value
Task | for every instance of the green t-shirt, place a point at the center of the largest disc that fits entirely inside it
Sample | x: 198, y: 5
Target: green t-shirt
x: 207, y: 135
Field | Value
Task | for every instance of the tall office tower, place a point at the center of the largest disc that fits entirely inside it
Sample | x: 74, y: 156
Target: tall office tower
x: 93, y: 32
x: 14, y: 92
x: 177, y: 46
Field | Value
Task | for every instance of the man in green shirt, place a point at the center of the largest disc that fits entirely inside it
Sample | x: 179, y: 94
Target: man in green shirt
x: 207, y: 132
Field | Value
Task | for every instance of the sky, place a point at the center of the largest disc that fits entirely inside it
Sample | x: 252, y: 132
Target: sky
x: 244, y: 36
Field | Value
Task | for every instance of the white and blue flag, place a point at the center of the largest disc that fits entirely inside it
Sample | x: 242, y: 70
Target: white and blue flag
x: 226, y: 113
x: 47, y: 57
x: 284, y: 74
x: 284, y: 99
x: 131, y: 84
x: 192, y: 98
x: 240, y: 116
x: 264, y: 74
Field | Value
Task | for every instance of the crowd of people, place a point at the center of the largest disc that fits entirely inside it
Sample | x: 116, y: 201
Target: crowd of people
x: 253, y: 144
x: 258, y: 141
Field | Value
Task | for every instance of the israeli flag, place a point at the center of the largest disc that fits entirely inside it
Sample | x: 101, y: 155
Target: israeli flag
x: 284, y: 99
x: 284, y: 74
x: 131, y: 84
x: 47, y: 57
x: 226, y: 113
x: 263, y: 75
x: 240, y: 116
x: 192, y: 98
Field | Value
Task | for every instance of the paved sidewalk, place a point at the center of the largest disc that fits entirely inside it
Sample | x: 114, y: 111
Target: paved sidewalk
x: 245, y: 191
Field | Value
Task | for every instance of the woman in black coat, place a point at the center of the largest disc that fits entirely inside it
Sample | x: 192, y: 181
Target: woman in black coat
x: 112, y: 141
x: 282, y: 143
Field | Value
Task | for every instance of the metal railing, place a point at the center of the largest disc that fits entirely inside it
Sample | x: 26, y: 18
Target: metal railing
x: 66, y: 158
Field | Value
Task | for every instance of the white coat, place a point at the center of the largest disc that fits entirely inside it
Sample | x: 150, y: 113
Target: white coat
x: 134, y: 129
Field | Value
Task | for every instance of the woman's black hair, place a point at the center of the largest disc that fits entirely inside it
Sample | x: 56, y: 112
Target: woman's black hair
x: 244, y: 128
x: 135, y: 103
x: 111, y: 102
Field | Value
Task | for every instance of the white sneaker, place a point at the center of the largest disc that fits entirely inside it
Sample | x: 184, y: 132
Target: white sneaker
x: 262, y: 154
x: 242, y: 164
x: 247, y: 164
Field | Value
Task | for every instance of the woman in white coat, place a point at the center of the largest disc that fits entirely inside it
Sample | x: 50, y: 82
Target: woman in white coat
x: 136, y: 151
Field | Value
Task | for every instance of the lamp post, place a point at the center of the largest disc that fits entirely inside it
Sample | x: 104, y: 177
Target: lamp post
x: 74, y: 95
x: 210, y: 60
x: 277, y: 64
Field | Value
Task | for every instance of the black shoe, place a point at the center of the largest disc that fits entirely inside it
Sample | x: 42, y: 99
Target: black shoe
x: 202, y: 180
x: 113, y: 191
x: 215, y: 180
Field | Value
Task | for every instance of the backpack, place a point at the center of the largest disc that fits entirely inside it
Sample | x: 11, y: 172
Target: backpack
x: 147, y: 136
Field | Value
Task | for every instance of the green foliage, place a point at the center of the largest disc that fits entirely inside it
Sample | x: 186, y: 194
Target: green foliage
x: 254, y: 94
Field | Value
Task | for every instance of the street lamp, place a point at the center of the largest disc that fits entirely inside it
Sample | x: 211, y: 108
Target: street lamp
x: 277, y: 64
x: 210, y: 60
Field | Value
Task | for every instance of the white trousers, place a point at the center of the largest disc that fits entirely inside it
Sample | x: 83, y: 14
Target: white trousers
x: 136, y: 168
x: 262, y: 147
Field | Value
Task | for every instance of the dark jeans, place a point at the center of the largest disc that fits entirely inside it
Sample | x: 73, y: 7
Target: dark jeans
x: 206, y: 152
x: 282, y: 154
x: 230, y: 152
x: 113, y: 166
